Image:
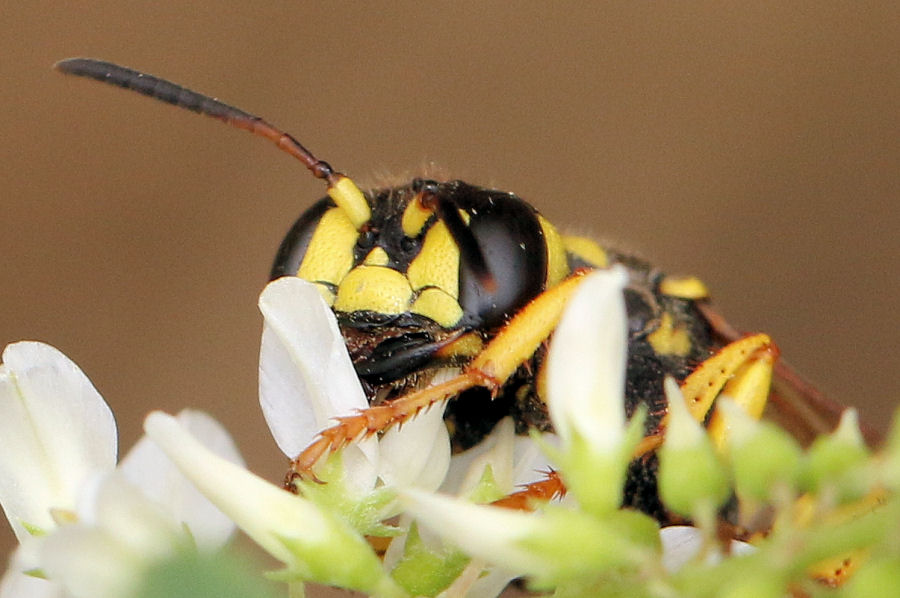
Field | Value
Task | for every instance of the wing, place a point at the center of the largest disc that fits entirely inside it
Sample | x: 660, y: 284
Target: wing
x: 794, y: 403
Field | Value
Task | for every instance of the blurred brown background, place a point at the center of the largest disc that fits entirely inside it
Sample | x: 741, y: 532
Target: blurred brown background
x: 753, y: 145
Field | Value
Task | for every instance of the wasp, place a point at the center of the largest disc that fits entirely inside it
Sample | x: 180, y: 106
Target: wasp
x: 438, y: 274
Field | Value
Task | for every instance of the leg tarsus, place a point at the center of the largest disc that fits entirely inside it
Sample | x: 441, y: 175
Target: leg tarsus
x: 543, y: 490
x: 378, y: 419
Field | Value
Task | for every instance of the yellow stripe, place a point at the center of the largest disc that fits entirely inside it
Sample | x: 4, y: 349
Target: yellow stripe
x: 586, y: 250
x: 557, y: 264
x: 437, y: 264
x: 330, y: 253
x: 351, y: 200
x: 374, y: 288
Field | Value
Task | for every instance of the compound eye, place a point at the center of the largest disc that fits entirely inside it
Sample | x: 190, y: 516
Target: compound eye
x: 512, y: 245
x: 293, y: 247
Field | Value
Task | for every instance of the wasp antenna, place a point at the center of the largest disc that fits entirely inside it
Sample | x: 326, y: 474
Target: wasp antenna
x: 341, y: 188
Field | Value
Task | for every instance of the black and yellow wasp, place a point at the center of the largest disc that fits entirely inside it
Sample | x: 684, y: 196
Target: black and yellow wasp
x: 437, y: 274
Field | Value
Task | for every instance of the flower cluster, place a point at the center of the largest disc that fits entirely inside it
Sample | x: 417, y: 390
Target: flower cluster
x: 89, y: 527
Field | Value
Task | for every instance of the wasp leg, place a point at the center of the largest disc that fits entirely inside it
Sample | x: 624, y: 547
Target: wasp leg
x: 741, y: 370
x: 543, y: 490
x: 794, y: 403
x: 510, y: 348
x: 833, y: 572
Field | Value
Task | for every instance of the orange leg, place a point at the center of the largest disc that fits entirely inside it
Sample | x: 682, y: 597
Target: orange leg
x: 547, y: 489
x: 508, y: 350
x: 353, y: 428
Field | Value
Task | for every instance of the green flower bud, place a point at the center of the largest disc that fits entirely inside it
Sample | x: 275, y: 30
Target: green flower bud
x: 425, y: 570
x: 691, y: 475
x: 558, y: 546
x: 874, y: 579
x: 838, y: 460
x: 762, y: 455
x: 757, y: 586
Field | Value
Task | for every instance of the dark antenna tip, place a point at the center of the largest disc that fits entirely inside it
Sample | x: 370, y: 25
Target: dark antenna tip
x: 86, y: 67
x: 342, y: 190
x: 65, y: 64
x: 172, y: 93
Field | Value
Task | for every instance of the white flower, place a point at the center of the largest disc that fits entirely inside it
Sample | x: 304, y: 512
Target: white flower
x: 312, y: 542
x: 586, y: 386
x: 55, y: 433
x: 586, y: 390
x: 306, y: 380
x: 91, y: 528
x: 586, y: 365
x: 682, y: 543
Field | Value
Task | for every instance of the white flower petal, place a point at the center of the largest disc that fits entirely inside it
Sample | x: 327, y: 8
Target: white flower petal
x: 265, y: 512
x: 91, y: 564
x: 55, y: 431
x: 18, y: 585
x: 489, y: 533
x: 498, y: 451
x: 26, y: 556
x: 148, y: 468
x: 682, y: 543
x: 528, y: 465
x: 305, y: 375
x: 314, y: 543
x: 416, y: 453
x: 119, y: 534
x: 491, y: 584
x: 113, y: 506
x: 586, y: 362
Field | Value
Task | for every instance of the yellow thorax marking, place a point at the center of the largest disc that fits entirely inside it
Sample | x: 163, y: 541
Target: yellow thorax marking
x: 670, y: 339
x: 586, y: 250
x: 557, y: 264
x: 683, y: 287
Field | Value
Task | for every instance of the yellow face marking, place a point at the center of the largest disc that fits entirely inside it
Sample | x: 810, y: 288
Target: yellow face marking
x: 330, y: 253
x: 586, y: 250
x: 437, y: 264
x: 669, y: 339
x: 373, y: 288
x: 414, y: 218
x: 557, y: 265
x: 439, y: 306
x: 683, y: 287
x: 377, y: 257
x: 350, y: 199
